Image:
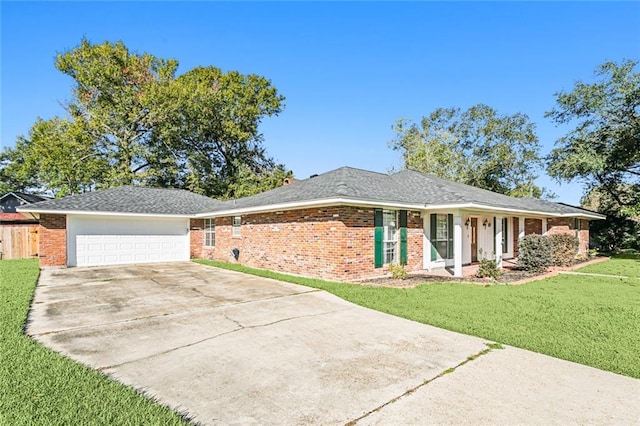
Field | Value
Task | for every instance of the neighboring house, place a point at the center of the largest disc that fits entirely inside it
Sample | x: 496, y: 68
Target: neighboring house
x: 346, y: 224
x: 18, y: 233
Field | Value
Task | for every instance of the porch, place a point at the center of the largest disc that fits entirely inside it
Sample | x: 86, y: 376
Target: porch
x: 467, y: 270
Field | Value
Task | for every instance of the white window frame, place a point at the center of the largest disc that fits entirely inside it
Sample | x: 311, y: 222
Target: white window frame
x: 237, y: 226
x: 209, y: 233
x: 389, y: 237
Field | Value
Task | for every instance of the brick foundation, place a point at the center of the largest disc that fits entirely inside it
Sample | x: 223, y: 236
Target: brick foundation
x: 53, y: 240
x: 331, y: 243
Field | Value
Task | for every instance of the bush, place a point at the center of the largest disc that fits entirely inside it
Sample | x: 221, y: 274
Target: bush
x: 398, y: 272
x: 488, y: 269
x: 534, y: 253
x: 564, y: 248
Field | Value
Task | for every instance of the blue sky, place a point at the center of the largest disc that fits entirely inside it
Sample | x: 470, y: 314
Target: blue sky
x: 348, y: 70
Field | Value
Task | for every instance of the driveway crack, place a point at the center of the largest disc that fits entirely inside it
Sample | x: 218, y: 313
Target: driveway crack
x: 240, y: 328
x: 490, y: 347
x: 143, y: 317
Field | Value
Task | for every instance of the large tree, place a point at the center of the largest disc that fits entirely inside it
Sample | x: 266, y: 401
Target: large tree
x: 131, y: 120
x: 620, y: 230
x: 603, y: 147
x: 477, y: 146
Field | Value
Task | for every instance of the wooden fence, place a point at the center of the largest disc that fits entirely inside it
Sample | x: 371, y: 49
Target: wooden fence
x: 18, y: 241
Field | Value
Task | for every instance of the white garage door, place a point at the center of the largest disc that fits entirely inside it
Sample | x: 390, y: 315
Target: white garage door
x: 114, y: 240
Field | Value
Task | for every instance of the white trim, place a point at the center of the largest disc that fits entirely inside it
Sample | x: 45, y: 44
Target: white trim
x: 457, y: 244
x: 426, y: 242
x: 325, y: 203
x: 485, y: 208
x: 498, y: 237
x: 313, y: 203
x: 17, y: 196
x: 236, y: 229
x: 544, y: 226
x: 393, y: 205
x: 209, y: 230
x: 100, y: 213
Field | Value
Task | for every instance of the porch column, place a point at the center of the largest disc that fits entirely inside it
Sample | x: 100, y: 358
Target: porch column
x: 457, y: 245
x: 426, y: 242
x: 520, y: 234
x: 544, y: 226
x: 498, y: 254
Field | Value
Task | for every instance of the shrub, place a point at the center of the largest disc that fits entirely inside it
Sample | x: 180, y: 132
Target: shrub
x: 564, y: 248
x: 398, y: 272
x: 534, y: 253
x: 488, y: 269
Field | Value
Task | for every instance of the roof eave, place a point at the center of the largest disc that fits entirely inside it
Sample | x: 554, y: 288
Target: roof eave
x: 325, y: 202
x: 393, y: 204
x: 486, y: 207
x: 100, y: 213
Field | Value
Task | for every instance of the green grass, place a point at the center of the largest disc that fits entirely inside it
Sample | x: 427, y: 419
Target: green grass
x: 623, y: 264
x: 39, y: 386
x: 589, y: 320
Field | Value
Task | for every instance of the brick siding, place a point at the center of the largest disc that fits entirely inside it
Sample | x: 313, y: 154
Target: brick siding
x: 566, y: 225
x: 532, y: 226
x: 53, y: 240
x: 583, y: 235
x: 331, y: 243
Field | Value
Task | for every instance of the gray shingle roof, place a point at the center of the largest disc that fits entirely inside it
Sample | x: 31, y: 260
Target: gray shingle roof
x: 405, y: 187
x: 29, y: 198
x: 130, y: 199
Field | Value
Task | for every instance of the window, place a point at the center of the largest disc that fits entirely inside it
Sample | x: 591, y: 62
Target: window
x: 442, y: 236
x: 210, y: 232
x: 389, y: 236
x: 237, y: 222
x: 505, y: 234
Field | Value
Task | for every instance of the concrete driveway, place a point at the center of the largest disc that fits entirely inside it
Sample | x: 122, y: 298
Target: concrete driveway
x: 228, y: 348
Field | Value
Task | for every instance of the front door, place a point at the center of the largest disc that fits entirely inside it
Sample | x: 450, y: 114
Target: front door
x: 474, y: 239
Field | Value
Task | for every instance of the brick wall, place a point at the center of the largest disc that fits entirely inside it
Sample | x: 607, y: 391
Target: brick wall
x: 332, y: 243
x: 53, y: 240
x: 196, y: 237
x: 583, y: 235
x: 560, y: 225
x: 566, y: 225
x: 532, y: 226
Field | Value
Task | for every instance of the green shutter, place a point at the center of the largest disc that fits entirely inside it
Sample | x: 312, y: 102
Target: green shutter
x: 450, y: 236
x: 403, y: 237
x: 432, y: 236
x: 377, y: 223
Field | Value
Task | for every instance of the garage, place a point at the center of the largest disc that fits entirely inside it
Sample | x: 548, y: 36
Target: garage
x: 114, y: 240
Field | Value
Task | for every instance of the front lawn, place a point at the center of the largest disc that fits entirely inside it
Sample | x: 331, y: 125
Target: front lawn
x: 589, y: 320
x: 622, y: 264
x: 39, y: 386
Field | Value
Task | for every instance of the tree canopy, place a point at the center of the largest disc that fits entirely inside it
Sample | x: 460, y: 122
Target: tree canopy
x: 620, y: 230
x: 131, y: 120
x: 603, y: 147
x: 478, y: 146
